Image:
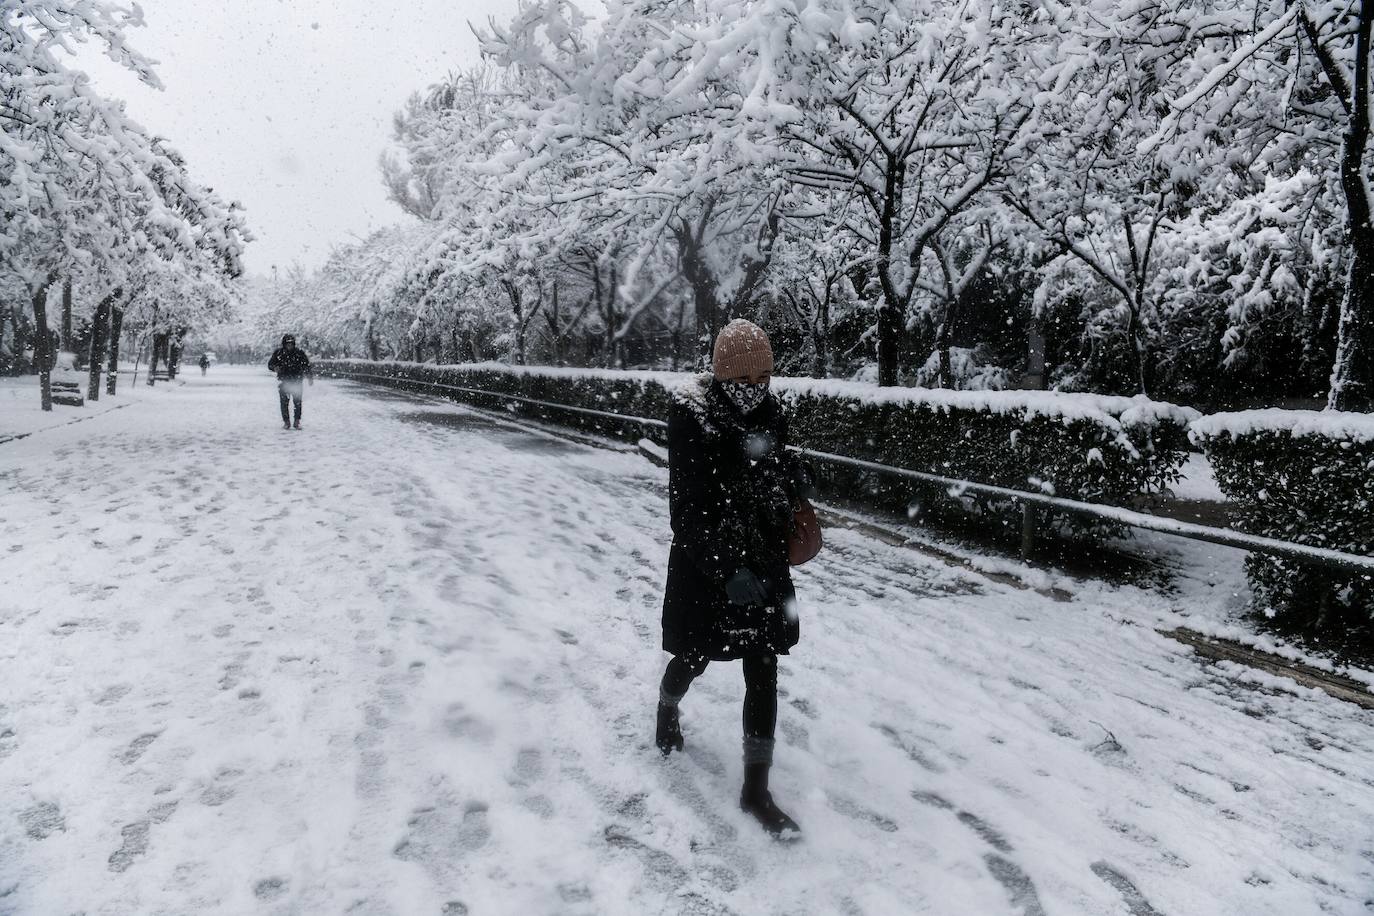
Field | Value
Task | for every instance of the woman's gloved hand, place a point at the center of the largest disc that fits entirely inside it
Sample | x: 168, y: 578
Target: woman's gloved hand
x: 745, y: 588
x: 804, y: 479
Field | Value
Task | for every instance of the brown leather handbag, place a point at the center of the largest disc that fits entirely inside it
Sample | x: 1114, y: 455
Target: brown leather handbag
x: 804, y: 540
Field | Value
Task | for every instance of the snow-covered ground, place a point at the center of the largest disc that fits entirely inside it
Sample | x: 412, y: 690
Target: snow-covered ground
x: 1198, y: 482
x: 405, y: 661
x: 21, y: 412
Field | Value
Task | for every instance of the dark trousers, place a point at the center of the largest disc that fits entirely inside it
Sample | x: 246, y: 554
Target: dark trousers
x: 760, y: 688
x: 287, y: 392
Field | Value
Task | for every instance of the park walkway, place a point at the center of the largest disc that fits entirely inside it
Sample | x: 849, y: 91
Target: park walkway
x: 404, y: 661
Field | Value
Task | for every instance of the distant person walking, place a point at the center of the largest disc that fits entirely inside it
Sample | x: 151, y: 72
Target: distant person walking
x: 733, y: 491
x: 292, y: 367
x: 204, y: 364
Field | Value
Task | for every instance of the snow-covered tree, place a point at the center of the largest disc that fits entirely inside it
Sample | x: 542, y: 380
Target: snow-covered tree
x: 1285, y: 87
x: 86, y: 191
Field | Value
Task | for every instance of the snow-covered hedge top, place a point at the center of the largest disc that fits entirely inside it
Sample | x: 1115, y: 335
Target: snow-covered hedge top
x: 1105, y: 409
x: 664, y: 378
x: 1049, y: 404
x: 1339, y: 425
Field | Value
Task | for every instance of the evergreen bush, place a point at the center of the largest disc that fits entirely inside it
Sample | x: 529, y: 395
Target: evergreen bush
x: 1308, y: 477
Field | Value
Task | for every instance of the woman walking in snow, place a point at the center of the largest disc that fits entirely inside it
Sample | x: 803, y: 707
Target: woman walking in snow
x: 733, y: 489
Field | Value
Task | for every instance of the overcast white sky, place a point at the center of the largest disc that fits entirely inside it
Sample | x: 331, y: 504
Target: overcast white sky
x: 285, y: 105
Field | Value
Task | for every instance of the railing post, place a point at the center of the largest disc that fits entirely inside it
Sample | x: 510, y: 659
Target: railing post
x: 1027, y: 530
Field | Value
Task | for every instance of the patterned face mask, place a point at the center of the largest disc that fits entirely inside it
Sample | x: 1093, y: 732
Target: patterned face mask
x: 744, y: 396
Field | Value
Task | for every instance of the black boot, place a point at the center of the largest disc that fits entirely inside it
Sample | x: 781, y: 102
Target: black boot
x: 756, y: 800
x: 669, y: 737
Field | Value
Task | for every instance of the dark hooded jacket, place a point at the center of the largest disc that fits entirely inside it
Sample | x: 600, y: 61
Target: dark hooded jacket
x: 290, y: 365
x: 732, y: 488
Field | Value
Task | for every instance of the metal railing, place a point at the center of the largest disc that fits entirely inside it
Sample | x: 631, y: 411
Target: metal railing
x: 1030, y: 501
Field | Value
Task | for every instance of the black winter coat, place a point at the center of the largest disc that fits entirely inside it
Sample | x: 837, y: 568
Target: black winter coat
x: 289, y: 365
x: 732, y: 487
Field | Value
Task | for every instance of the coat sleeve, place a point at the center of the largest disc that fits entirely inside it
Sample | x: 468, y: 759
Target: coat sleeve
x: 272, y: 363
x: 694, y: 502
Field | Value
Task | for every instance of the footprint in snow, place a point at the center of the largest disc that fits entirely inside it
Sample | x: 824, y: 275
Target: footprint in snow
x: 162, y: 811
x: 230, y: 679
x: 439, y: 835
x: 795, y: 735
x: 42, y: 820
x: 1017, y: 884
x: 270, y: 888
x: 1007, y: 873
x: 460, y: 723
x: 529, y: 766
x: 1136, y: 903
x: 985, y: 831
x: 908, y: 747
x: 137, y: 747
x: 850, y: 808
x: 135, y: 844
x: 222, y: 789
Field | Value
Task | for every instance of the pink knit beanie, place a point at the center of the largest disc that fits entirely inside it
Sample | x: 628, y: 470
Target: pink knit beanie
x: 742, y: 348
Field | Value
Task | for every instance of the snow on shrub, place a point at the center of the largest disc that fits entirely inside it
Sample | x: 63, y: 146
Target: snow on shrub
x: 635, y: 394
x: 1081, y: 446
x: 1078, y: 446
x: 970, y: 369
x: 1303, y: 476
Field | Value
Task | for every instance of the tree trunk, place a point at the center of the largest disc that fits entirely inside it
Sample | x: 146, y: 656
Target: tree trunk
x: 605, y: 299
x: 820, y: 338
x: 116, y: 328
x: 555, y: 331
x: 1138, y: 349
x: 677, y: 336
x: 174, y: 348
x: 889, y: 331
x: 42, y: 342
x: 1352, y: 377
x: 154, y: 354
x: 890, y: 310
x: 1035, y: 377
x: 945, y: 377
x: 692, y: 263
x: 67, y: 343
x: 518, y: 314
x: 374, y: 350
x: 99, y: 326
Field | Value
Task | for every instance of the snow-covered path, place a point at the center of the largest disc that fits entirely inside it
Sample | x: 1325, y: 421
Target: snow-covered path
x: 405, y: 662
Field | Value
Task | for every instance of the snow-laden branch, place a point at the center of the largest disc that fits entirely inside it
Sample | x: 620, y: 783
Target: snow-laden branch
x: 1214, y: 79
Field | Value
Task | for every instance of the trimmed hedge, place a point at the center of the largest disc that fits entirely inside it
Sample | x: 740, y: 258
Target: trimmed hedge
x: 1085, y: 447
x: 637, y: 394
x: 1308, y: 477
